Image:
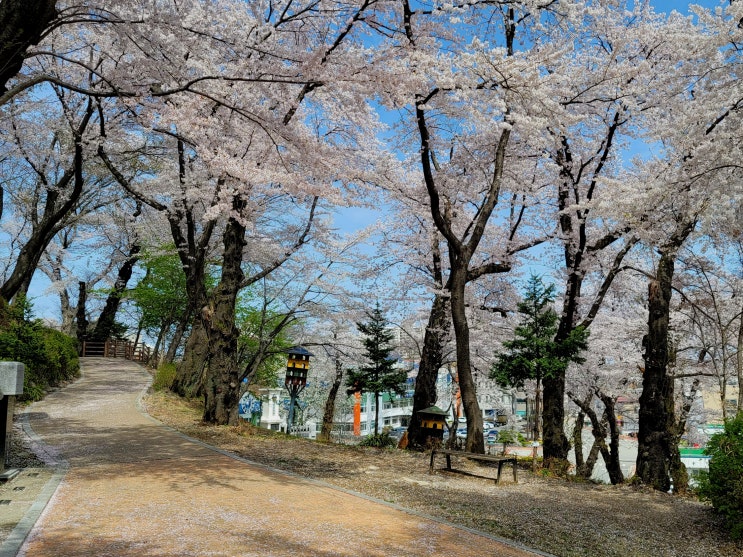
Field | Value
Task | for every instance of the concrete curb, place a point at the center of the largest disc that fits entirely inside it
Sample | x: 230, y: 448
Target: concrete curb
x: 13, y: 543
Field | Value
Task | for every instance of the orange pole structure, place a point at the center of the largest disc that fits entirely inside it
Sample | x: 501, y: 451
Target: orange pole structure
x: 357, y: 414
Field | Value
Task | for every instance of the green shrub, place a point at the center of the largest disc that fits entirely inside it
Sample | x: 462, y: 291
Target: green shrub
x: 511, y: 437
x: 380, y: 440
x: 723, y: 484
x: 50, y: 357
x: 164, y: 377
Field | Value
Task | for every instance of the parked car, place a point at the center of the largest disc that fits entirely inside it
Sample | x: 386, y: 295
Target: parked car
x: 397, y: 432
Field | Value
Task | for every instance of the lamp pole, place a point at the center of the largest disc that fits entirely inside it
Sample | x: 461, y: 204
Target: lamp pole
x: 297, y: 366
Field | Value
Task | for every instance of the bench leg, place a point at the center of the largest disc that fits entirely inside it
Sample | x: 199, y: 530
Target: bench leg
x: 515, y: 471
x: 430, y: 468
x: 500, y: 468
x: 448, y: 461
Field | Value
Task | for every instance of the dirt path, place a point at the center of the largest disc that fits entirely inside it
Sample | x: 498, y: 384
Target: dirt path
x: 135, y: 487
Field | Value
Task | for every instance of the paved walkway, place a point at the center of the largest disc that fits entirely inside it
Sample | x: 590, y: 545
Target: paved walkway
x: 134, y: 487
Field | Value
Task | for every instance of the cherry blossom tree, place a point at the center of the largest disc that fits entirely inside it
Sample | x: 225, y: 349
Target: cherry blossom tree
x: 696, y: 129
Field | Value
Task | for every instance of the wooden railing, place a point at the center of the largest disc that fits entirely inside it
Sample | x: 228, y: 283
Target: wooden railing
x: 113, y: 348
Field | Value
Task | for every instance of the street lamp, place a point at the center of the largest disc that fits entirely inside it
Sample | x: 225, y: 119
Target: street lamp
x: 296, y: 378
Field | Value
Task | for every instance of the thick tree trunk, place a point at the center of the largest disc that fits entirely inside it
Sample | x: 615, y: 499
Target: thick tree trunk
x: 555, y: 442
x: 107, y: 317
x: 189, y: 379
x: 221, y: 383
x: 328, y: 415
x: 22, y: 23
x: 655, y: 439
x: 556, y: 445
x: 475, y: 440
x: 432, y: 357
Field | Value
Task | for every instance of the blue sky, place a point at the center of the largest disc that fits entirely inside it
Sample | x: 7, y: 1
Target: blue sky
x: 681, y: 6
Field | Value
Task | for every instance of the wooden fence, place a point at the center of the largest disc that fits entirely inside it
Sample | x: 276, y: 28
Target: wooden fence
x: 112, y: 348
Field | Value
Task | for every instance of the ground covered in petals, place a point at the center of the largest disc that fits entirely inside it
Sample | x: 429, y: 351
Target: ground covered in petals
x: 564, y: 518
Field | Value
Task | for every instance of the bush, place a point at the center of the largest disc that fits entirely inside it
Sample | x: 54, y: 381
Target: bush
x: 164, y: 377
x: 511, y: 437
x: 723, y: 484
x: 50, y: 357
x: 380, y: 440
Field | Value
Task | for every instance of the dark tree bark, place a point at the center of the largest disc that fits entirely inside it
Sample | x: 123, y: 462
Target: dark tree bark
x: 67, y: 311
x: 432, y: 358
x: 329, y: 413
x: 580, y: 421
x: 739, y: 361
x: 82, y: 321
x: 462, y: 247
x: 555, y: 442
x: 180, y: 330
x: 432, y: 355
x: 221, y: 384
x: 656, y: 446
x: 611, y: 456
x: 56, y: 209
x: 107, y: 317
x: 602, y: 427
x: 22, y: 23
x: 192, y: 245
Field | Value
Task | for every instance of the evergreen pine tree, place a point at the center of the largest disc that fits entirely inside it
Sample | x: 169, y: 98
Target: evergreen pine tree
x: 533, y: 354
x: 379, y: 375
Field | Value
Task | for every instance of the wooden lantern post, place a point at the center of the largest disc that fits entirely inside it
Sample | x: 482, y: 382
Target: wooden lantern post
x: 295, y: 381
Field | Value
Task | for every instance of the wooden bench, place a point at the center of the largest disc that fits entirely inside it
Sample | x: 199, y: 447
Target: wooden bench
x: 500, y: 459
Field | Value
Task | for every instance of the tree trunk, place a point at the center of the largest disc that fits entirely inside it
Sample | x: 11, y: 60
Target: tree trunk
x: 82, y: 321
x: 555, y: 442
x: 655, y: 439
x: 432, y: 357
x: 376, y: 413
x: 538, y: 409
x: 580, y: 421
x: 178, y: 336
x: 585, y: 469
x: 611, y: 457
x: 189, y: 379
x: 679, y: 474
x: 654, y: 443
x: 22, y: 23
x: 107, y: 317
x: 739, y: 364
x: 475, y: 440
x: 155, y: 356
x: 329, y: 414
x: 221, y: 383
x: 55, y: 211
